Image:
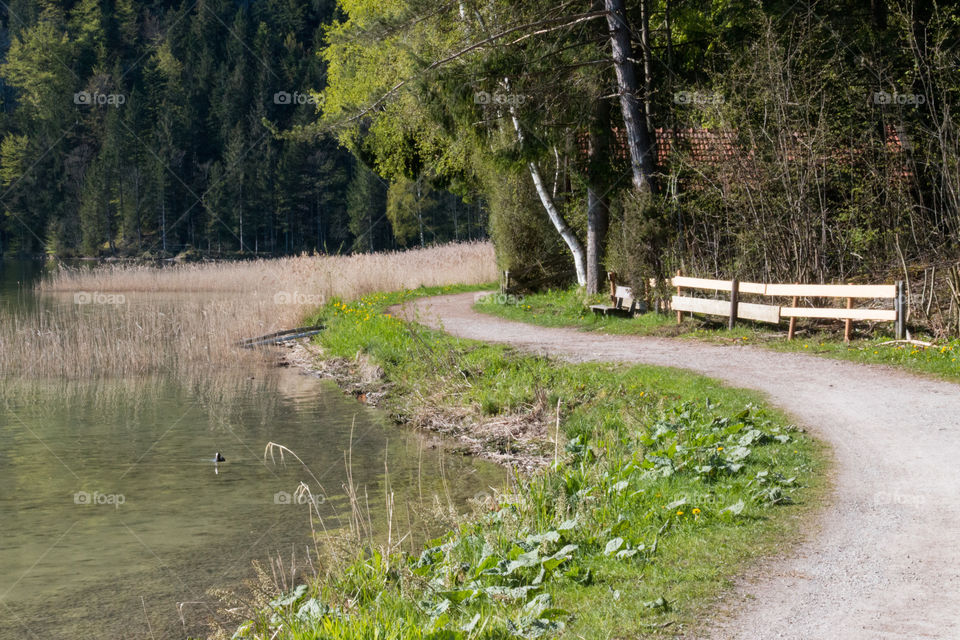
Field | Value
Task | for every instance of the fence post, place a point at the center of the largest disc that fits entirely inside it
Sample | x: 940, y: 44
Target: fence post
x: 734, y: 303
x: 848, y: 323
x: 898, y: 304
x: 505, y: 282
x: 793, y: 319
x: 679, y: 313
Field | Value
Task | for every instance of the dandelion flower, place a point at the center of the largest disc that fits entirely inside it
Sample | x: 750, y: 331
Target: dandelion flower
x: 695, y: 512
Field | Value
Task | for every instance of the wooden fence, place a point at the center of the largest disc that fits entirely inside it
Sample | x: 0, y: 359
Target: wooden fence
x: 735, y: 309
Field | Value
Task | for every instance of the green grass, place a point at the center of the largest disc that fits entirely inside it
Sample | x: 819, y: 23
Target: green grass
x: 938, y: 360
x: 566, y: 308
x: 667, y: 484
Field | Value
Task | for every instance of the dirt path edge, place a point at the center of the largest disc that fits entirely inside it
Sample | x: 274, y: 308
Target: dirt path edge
x: 884, y: 558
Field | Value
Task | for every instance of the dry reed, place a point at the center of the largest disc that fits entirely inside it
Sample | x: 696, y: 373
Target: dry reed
x: 137, y: 320
x: 328, y: 276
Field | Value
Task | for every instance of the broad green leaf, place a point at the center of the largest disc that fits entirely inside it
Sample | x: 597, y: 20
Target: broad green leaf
x: 613, y: 546
x: 735, y: 509
x: 510, y: 593
x: 528, y: 559
x: 568, y: 525
x: 676, y: 504
x: 470, y: 626
x: 312, y: 610
x: 458, y: 596
x: 549, y: 536
x: 290, y: 598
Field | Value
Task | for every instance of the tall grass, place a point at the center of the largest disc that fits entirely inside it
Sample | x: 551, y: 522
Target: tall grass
x: 140, y: 319
x: 346, y: 277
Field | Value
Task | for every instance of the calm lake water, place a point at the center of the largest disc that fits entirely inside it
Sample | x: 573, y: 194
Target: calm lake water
x: 116, y: 523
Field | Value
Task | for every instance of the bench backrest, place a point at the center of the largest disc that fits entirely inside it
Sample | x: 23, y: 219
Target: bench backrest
x: 623, y: 296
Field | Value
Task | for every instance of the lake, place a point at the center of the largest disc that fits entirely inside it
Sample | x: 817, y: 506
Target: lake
x: 115, y: 521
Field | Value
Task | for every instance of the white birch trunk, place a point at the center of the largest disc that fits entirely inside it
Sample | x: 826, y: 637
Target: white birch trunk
x: 569, y: 237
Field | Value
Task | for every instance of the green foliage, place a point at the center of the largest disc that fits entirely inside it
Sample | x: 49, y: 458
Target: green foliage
x: 518, y: 228
x: 140, y: 128
x: 665, y: 482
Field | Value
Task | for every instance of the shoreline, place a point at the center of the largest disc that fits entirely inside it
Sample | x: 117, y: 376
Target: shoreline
x: 519, y: 441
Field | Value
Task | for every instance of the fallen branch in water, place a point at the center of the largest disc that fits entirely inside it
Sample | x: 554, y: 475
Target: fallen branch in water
x: 281, y: 336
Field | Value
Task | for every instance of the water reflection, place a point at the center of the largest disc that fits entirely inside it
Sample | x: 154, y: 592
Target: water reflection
x: 109, y: 492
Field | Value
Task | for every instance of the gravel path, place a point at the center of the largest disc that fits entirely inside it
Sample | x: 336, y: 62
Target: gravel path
x: 885, y: 560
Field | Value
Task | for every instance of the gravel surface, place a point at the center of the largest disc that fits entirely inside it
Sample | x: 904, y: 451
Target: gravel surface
x: 884, y: 557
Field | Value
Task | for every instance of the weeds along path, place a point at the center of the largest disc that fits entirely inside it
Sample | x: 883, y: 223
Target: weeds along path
x: 883, y: 558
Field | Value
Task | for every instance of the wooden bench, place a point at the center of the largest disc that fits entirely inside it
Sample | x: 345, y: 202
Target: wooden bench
x: 624, y: 304
x: 622, y: 301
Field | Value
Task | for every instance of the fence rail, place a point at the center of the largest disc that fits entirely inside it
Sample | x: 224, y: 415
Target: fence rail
x: 734, y: 309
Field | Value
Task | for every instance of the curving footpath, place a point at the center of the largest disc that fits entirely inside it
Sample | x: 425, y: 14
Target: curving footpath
x: 885, y: 559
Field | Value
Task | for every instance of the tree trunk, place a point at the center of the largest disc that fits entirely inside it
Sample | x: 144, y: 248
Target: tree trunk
x: 634, y: 119
x: 597, y: 223
x: 573, y: 243
x: 569, y: 237
x: 597, y: 210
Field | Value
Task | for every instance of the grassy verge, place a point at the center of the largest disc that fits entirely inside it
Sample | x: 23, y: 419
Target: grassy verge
x: 567, y: 308
x: 664, y: 485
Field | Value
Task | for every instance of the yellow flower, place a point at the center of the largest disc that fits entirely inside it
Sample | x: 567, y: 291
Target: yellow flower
x: 679, y: 513
x: 719, y: 448
x: 695, y: 512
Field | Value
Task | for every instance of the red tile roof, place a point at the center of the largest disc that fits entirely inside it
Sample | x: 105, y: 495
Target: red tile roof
x: 707, y: 147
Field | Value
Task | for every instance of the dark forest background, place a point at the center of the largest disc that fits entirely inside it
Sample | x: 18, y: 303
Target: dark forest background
x: 154, y: 128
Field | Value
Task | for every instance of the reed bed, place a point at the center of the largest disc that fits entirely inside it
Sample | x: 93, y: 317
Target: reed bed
x: 322, y: 276
x: 122, y: 320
